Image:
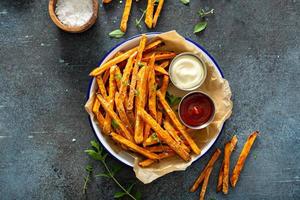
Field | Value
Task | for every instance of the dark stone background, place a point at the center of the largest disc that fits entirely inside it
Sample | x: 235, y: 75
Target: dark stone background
x: 44, y: 80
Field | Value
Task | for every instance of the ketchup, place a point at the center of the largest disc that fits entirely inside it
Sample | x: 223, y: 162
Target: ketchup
x: 196, y: 109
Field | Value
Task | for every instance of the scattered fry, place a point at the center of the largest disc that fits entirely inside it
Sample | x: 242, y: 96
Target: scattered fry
x: 242, y: 158
x: 229, y: 147
x: 134, y: 147
x: 125, y: 16
x: 177, y: 123
x: 149, y: 13
x: 202, y: 175
x: 164, y: 135
x: 157, y: 12
x: 205, y: 182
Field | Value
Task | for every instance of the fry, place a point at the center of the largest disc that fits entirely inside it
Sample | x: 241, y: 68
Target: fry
x: 126, y: 13
x: 118, y: 77
x: 134, y: 147
x: 152, y: 96
x: 101, y: 86
x: 96, y: 106
x: 177, y: 124
x: 161, y: 70
x: 140, y: 103
x: 122, y: 57
x: 149, y: 13
x: 163, y: 90
x: 163, y: 64
x: 220, y: 178
x: 164, y: 135
x: 125, y: 77
x: 205, y: 182
x: 150, y: 141
x: 106, y: 76
x: 122, y: 113
x: 157, y: 12
x: 159, y: 55
x: 136, y: 67
x: 242, y: 158
x: 152, y: 88
x: 170, y: 129
x: 148, y: 162
x: 100, y: 119
x: 159, y: 149
x: 202, y: 175
x: 114, y: 116
x: 106, y: 1
x: 112, y: 91
x: 229, y: 147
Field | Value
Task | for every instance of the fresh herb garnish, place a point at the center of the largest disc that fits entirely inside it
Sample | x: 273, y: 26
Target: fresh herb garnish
x: 116, y: 33
x: 140, y: 64
x: 156, y: 2
x: 138, y: 21
x: 87, y: 178
x: 202, y: 13
x: 98, y: 154
x: 185, y: 2
x: 114, y: 124
x: 202, y: 24
x: 172, y: 99
x: 154, y: 137
x: 137, y: 93
x: 118, y: 76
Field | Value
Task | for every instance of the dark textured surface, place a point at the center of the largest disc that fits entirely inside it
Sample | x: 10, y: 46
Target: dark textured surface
x: 44, y: 80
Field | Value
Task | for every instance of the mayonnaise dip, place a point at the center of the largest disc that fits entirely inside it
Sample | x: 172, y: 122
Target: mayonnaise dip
x: 187, y: 71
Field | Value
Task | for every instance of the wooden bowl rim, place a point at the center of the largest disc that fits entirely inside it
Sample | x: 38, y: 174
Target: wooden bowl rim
x: 73, y: 29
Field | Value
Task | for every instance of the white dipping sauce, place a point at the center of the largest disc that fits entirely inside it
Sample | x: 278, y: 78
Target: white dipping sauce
x: 187, y: 72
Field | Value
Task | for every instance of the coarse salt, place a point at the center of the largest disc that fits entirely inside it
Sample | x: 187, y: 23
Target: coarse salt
x: 74, y: 12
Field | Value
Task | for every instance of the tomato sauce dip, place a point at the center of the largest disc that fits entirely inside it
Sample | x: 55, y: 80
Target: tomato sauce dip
x: 196, y: 109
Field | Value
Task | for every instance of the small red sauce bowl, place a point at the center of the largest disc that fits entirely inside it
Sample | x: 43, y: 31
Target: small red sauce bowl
x: 196, y: 110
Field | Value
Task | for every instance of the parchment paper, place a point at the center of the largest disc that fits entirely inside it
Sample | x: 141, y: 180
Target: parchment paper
x: 214, y: 85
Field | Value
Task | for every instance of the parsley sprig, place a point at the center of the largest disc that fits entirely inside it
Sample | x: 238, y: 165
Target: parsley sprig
x: 172, y: 99
x: 97, y: 153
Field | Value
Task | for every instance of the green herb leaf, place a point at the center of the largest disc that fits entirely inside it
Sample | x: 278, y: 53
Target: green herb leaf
x: 141, y: 64
x: 185, y: 2
x: 103, y: 175
x: 138, y: 195
x: 114, y: 124
x: 118, y: 76
x: 118, y: 195
x: 104, y: 157
x: 116, y: 169
x: 116, y: 33
x: 137, y: 93
x: 93, y: 154
x: 154, y: 137
x: 172, y: 99
x: 200, y: 27
x: 96, y: 145
x: 89, y: 168
x: 138, y: 21
x: 130, y: 188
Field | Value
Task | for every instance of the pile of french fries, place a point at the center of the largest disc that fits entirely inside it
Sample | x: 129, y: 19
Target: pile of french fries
x: 154, y: 8
x: 223, y: 178
x: 130, y: 104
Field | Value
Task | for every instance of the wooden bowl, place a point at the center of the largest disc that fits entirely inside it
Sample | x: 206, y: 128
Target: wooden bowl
x: 73, y: 29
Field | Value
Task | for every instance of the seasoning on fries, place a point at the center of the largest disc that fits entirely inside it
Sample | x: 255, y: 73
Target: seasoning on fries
x: 242, y: 158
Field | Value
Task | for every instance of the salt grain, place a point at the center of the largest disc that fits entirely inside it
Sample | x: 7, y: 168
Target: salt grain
x: 74, y: 12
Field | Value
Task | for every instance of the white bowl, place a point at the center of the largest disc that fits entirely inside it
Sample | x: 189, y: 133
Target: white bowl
x: 123, y: 156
